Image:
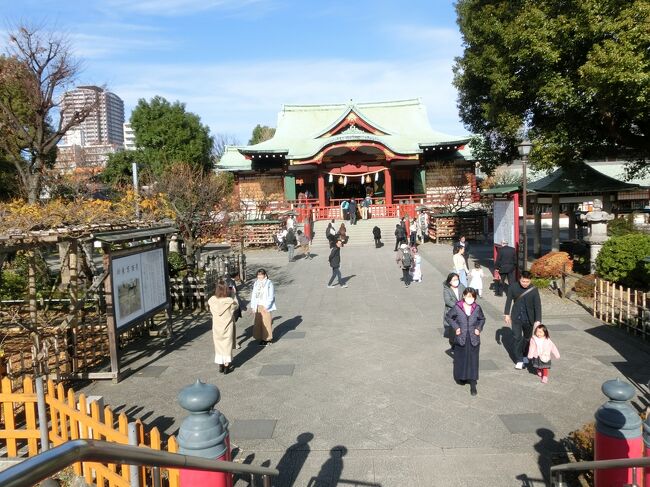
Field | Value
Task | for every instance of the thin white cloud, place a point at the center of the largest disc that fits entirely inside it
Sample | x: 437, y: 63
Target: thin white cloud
x: 235, y: 97
x: 179, y: 7
x: 94, y: 46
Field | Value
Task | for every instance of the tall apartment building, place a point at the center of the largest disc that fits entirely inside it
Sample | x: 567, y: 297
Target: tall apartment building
x: 87, y: 146
x: 129, y: 137
x: 104, y: 124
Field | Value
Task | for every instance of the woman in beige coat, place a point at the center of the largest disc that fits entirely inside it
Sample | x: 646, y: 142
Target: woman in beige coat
x: 223, y: 306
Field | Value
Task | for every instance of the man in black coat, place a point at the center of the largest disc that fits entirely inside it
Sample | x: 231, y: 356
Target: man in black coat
x: 335, y: 264
x: 506, y: 263
x: 523, y: 311
x: 400, y: 236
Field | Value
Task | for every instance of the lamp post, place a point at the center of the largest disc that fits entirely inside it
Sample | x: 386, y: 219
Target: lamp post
x: 524, y: 151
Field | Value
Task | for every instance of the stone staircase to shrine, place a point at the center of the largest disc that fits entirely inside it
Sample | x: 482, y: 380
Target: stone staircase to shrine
x: 360, y: 234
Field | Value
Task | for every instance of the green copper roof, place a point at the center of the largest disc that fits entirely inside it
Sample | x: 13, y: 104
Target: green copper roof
x: 300, y: 129
x: 578, y: 178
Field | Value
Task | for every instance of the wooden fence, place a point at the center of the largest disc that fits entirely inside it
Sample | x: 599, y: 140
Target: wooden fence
x: 622, y: 306
x: 72, y: 417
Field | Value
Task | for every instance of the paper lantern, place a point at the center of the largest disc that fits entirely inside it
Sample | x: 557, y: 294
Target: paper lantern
x: 345, y: 180
x: 341, y: 181
x: 376, y: 176
x: 331, y: 179
x: 368, y: 180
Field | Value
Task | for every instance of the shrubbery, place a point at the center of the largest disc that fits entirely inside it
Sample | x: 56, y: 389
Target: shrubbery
x: 176, y: 263
x: 621, y: 226
x: 621, y: 260
x: 550, y: 266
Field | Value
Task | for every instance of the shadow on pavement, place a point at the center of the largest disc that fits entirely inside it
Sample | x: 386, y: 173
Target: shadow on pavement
x: 286, y: 326
x: 547, y: 448
x: 503, y: 336
x: 635, y: 363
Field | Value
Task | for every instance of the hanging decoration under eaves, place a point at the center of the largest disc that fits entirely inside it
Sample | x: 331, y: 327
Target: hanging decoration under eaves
x: 364, y: 176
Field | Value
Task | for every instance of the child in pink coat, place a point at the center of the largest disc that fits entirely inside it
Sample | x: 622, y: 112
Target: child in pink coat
x: 540, y: 349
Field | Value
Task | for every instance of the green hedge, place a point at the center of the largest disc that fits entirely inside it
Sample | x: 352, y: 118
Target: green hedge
x: 621, y: 260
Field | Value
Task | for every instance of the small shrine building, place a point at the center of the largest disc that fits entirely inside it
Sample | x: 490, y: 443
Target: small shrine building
x: 327, y: 153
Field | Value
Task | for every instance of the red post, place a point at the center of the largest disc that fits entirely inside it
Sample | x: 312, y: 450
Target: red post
x: 388, y: 186
x: 618, y: 434
x: 321, y: 190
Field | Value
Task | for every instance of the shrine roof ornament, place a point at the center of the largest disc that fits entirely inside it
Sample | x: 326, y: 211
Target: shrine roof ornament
x: 305, y: 132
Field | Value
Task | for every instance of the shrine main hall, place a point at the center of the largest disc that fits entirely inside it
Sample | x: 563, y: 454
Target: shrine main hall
x: 326, y: 153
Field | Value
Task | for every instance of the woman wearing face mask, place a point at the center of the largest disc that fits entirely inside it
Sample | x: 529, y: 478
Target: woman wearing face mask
x: 467, y: 320
x: 452, y: 292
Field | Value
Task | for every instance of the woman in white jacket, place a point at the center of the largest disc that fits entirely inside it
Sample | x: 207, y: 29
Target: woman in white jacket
x: 262, y: 303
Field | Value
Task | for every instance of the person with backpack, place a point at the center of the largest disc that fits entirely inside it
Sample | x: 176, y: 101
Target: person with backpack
x: 345, y: 204
x: 404, y: 259
x: 400, y: 236
x: 523, y: 312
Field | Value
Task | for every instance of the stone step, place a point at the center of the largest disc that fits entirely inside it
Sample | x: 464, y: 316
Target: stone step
x: 359, y: 234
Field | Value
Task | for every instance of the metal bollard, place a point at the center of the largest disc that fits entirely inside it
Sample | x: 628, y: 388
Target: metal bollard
x: 204, y: 433
x: 618, y: 433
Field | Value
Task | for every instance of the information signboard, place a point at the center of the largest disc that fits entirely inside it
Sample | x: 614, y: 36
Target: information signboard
x: 139, y: 285
x: 504, y: 221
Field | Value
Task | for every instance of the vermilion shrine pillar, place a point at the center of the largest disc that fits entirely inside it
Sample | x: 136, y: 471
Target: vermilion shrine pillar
x: 321, y: 190
x: 388, y: 186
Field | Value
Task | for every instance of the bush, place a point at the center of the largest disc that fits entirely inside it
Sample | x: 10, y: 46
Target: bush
x: 621, y: 226
x: 621, y: 260
x: 579, y: 253
x: 550, y: 266
x: 584, y: 287
x: 14, y: 286
x: 541, y: 282
x: 176, y: 263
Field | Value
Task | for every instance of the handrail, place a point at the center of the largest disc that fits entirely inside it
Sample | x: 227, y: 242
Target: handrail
x: 47, y: 463
x: 596, y: 465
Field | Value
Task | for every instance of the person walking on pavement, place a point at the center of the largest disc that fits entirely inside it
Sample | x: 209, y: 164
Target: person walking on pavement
x: 414, y: 232
x: 365, y: 207
x: 506, y: 264
x: 462, y: 242
x: 400, y: 236
x: 291, y: 241
x: 342, y: 234
x: 423, y: 225
x: 467, y: 320
x: 262, y: 303
x: 330, y: 233
x: 335, y: 264
x: 352, y: 208
x: 290, y: 222
x: 452, y: 292
x: 416, y: 269
x: 404, y: 259
x: 222, y: 307
x: 460, y: 266
x: 523, y: 311
x: 305, y: 244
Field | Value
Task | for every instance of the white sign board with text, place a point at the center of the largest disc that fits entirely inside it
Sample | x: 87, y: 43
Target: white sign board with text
x: 504, y: 221
x: 138, y: 285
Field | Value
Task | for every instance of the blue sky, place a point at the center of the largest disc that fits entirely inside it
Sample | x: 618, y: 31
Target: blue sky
x: 235, y: 62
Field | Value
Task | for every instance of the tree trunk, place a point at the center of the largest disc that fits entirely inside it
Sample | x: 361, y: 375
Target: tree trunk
x: 34, y: 188
x: 190, y: 258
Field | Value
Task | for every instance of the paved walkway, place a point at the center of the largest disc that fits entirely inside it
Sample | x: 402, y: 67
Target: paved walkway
x: 357, y: 389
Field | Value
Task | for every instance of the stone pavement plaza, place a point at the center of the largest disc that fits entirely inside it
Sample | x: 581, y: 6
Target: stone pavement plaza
x: 357, y: 389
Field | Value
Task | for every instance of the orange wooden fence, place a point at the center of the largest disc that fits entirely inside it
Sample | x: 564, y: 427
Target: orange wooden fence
x: 71, y: 417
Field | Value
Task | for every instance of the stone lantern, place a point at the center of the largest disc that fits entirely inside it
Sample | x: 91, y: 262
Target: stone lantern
x: 597, y: 220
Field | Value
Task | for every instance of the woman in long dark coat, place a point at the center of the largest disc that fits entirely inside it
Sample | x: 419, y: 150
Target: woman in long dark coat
x: 467, y: 320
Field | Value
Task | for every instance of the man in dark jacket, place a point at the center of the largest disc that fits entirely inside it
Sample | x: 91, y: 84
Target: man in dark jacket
x: 400, y: 236
x: 291, y: 242
x: 352, y: 208
x: 335, y: 264
x: 506, y: 263
x: 523, y: 311
x: 376, y: 232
